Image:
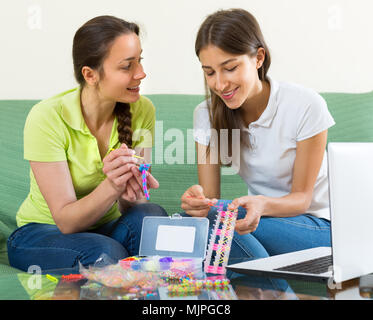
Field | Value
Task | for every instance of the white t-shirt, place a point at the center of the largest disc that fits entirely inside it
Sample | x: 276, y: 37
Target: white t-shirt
x: 293, y: 114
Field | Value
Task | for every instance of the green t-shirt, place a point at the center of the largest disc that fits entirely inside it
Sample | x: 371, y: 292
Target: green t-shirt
x: 55, y: 130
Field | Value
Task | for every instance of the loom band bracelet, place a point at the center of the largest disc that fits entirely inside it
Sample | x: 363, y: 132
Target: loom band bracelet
x: 143, y: 168
x: 72, y: 277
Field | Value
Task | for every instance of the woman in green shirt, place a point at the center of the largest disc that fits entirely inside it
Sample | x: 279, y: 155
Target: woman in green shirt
x: 86, y: 196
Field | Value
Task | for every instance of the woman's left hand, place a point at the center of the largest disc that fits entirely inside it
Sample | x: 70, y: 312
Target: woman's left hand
x: 134, y: 190
x: 254, y: 206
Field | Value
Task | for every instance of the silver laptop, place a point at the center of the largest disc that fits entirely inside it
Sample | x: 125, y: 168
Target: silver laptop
x: 350, y: 171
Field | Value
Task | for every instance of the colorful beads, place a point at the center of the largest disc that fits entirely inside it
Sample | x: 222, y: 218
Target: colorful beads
x: 116, y: 277
x: 195, y: 286
x: 180, y: 290
x: 175, y: 276
x: 157, y: 264
x: 206, y: 283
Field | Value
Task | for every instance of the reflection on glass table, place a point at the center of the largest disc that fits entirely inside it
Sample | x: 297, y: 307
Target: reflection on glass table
x: 35, y: 286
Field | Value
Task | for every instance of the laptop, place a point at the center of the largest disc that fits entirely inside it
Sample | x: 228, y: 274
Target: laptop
x: 350, y: 171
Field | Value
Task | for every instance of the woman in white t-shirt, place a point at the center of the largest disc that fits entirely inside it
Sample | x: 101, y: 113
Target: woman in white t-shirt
x: 279, y: 150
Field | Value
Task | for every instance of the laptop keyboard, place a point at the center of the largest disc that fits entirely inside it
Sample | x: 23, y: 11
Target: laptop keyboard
x: 315, y: 266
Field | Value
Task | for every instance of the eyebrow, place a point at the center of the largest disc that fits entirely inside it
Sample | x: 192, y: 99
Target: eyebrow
x: 222, y: 64
x: 129, y: 59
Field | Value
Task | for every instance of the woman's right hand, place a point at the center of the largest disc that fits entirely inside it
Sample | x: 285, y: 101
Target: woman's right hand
x: 117, y: 167
x: 194, y: 202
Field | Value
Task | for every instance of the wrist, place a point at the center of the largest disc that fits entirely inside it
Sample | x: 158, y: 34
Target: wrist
x: 266, y: 204
x: 112, y: 192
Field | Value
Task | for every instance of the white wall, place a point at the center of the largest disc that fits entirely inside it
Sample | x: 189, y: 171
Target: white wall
x: 323, y: 44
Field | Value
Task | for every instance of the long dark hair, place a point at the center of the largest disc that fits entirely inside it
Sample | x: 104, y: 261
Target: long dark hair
x: 91, y: 45
x: 235, y: 31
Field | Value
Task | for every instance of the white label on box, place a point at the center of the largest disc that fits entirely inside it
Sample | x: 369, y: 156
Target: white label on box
x: 175, y: 238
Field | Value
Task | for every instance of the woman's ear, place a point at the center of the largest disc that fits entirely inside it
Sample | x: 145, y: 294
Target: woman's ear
x: 260, y: 57
x: 90, y: 76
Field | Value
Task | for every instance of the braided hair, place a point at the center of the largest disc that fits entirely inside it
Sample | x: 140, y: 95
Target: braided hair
x: 122, y: 111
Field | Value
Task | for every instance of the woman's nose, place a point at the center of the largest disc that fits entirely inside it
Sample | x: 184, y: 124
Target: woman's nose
x: 220, y: 83
x: 139, y: 74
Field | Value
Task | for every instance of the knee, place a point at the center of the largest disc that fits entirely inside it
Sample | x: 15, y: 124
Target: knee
x: 148, y: 209
x: 105, y: 248
x: 156, y: 210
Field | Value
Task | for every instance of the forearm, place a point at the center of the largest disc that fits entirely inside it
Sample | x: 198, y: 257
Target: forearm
x: 209, y: 180
x: 211, y: 193
x: 291, y: 205
x: 85, y: 212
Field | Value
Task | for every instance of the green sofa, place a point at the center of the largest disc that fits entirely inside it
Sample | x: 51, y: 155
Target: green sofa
x: 353, y: 114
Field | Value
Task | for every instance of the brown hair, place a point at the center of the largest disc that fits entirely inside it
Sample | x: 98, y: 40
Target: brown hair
x: 235, y: 31
x: 91, y: 45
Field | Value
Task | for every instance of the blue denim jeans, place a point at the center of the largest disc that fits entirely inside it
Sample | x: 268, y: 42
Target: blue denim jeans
x: 45, y: 246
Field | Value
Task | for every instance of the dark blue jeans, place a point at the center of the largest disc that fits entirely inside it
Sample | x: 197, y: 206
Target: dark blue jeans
x: 45, y: 246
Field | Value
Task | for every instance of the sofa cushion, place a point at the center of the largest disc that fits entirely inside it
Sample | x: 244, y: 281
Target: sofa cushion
x: 353, y: 115
x: 14, y: 170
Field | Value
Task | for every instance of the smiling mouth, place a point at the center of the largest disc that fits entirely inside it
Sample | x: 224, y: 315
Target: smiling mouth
x: 134, y: 89
x: 229, y: 95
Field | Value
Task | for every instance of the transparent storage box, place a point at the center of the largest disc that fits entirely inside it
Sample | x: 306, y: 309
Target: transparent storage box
x: 175, y: 236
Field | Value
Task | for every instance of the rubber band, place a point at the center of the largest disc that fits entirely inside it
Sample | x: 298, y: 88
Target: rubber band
x: 72, y: 277
x: 143, y: 168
